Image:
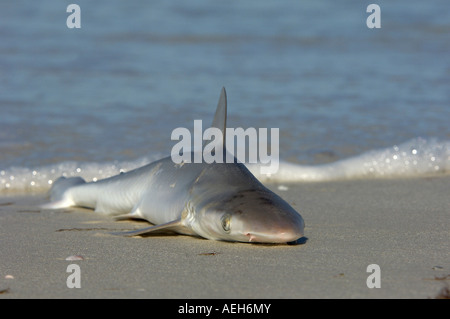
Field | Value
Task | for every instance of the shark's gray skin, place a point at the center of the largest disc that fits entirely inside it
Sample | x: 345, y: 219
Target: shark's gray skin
x: 220, y: 201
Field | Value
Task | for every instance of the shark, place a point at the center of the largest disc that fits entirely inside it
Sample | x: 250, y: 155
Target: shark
x: 217, y: 201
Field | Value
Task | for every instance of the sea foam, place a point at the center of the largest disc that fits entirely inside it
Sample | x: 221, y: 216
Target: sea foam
x: 414, y: 158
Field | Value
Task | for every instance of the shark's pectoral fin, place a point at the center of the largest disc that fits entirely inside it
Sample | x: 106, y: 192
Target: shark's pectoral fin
x: 173, y: 225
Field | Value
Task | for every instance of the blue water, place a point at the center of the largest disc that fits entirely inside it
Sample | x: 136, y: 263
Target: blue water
x: 116, y: 88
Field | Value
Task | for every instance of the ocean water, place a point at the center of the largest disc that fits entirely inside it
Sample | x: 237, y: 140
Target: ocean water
x: 105, y: 98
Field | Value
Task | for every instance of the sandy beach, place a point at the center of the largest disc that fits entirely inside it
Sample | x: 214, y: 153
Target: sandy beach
x: 401, y: 225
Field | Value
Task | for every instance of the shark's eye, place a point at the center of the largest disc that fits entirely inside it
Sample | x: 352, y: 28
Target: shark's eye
x: 226, y: 222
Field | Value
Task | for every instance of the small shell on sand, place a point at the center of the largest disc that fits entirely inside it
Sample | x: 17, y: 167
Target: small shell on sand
x: 75, y: 257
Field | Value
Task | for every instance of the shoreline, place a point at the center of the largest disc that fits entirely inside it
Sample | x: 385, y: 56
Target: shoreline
x: 402, y: 225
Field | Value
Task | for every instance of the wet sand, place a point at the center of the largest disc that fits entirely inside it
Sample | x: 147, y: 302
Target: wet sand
x: 401, y: 225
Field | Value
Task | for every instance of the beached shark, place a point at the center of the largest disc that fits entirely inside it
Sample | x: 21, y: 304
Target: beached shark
x: 219, y: 201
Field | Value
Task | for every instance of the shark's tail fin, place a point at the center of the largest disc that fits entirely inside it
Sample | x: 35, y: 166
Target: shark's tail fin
x: 58, y: 193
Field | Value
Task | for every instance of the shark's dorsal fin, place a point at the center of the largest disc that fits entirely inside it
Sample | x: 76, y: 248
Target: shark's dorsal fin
x: 220, y: 118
